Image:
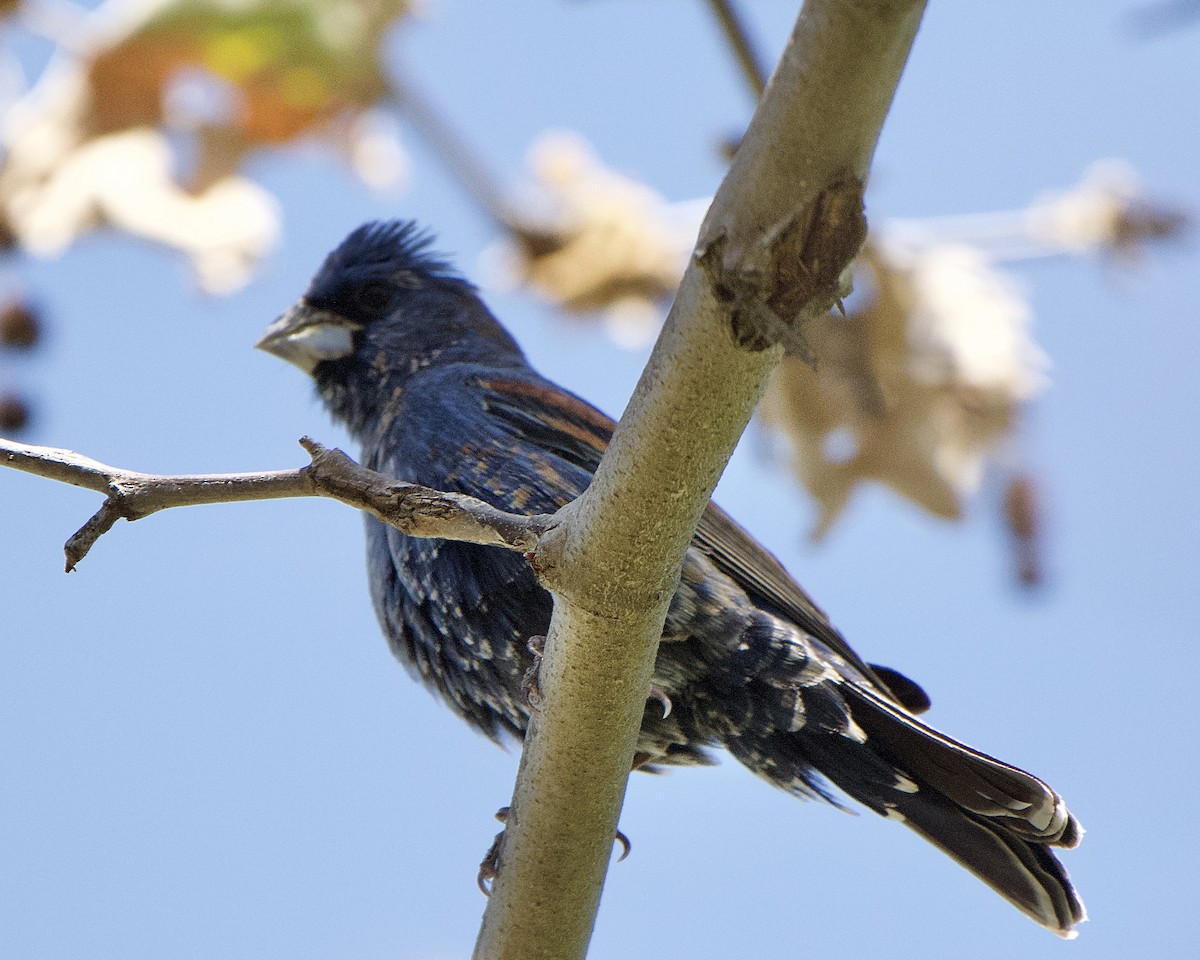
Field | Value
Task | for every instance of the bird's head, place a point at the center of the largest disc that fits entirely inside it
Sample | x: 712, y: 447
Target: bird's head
x: 383, y: 298
x: 382, y: 307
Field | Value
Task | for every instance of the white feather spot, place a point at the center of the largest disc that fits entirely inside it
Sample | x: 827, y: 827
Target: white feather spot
x: 854, y: 731
x: 799, y: 714
x: 905, y: 785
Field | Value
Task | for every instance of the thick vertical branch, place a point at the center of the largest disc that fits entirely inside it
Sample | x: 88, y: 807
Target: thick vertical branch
x: 773, y: 250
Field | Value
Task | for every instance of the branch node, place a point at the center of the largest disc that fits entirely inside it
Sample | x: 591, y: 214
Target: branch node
x: 739, y: 288
x: 812, y: 253
x: 799, y: 270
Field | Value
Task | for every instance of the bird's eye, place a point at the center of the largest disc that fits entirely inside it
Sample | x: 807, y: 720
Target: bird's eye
x: 373, y: 296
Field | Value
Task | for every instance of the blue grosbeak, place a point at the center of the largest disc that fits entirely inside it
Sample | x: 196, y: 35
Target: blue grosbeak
x: 407, y: 356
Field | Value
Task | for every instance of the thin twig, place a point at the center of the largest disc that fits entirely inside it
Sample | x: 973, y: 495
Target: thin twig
x: 459, y: 159
x: 739, y: 41
x: 415, y: 510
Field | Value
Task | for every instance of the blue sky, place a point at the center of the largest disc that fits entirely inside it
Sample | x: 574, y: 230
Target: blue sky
x: 207, y: 750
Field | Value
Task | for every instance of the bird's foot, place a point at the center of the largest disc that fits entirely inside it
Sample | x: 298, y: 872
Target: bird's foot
x: 529, y: 683
x: 489, y: 867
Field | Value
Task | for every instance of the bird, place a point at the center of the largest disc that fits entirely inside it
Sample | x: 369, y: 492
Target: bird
x: 408, y: 358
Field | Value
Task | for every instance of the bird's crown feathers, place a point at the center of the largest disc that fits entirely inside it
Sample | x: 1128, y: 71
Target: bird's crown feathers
x: 387, y: 246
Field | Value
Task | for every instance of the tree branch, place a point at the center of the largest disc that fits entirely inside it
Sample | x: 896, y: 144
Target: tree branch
x: 773, y: 250
x: 415, y: 510
x: 460, y: 160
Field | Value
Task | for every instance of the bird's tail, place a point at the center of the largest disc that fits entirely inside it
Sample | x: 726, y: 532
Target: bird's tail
x: 996, y: 820
x: 803, y: 728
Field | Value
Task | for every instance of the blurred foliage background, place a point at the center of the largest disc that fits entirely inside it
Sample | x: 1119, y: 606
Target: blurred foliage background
x: 566, y: 151
x: 148, y: 114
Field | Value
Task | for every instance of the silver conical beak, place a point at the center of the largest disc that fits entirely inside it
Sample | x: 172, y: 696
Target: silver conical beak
x: 305, y: 336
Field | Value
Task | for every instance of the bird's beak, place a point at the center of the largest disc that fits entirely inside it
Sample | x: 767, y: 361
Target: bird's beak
x: 306, y: 336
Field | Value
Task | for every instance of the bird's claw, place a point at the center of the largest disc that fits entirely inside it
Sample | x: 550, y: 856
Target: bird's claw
x: 661, y: 697
x: 626, y: 845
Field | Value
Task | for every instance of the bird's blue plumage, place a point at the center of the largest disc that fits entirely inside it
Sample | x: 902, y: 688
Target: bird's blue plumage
x: 439, y: 394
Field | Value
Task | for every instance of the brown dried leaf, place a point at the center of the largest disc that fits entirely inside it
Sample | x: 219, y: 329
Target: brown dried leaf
x: 903, y: 393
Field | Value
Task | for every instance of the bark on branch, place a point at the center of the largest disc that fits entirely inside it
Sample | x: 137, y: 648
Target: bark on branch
x: 773, y: 251
x: 415, y: 510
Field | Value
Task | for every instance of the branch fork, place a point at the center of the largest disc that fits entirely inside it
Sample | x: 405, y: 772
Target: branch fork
x: 415, y: 510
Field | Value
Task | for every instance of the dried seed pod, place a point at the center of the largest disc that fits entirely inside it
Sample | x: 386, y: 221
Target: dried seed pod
x: 14, y: 413
x: 1022, y: 517
x: 20, y: 325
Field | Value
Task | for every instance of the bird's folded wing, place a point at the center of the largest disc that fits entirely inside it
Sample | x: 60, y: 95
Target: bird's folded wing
x: 552, y: 420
